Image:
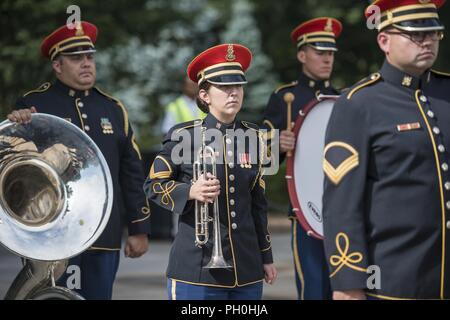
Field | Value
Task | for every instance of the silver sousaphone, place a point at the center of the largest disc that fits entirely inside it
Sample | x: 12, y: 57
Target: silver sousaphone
x: 55, y: 200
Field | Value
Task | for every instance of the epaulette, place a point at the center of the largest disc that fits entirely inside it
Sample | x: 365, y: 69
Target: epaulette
x: 364, y: 83
x: 43, y: 87
x: 439, y: 73
x: 120, y: 104
x: 292, y: 84
x: 344, y: 90
x: 250, y: 125
x: 261, y: 144
x: 187, y: 125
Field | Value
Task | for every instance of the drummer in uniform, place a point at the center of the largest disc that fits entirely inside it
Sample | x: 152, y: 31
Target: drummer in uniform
x: 386, y: 201
x: 316, y: 45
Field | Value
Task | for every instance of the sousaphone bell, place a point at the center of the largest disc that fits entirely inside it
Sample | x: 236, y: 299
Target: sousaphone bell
x: 55, y: 200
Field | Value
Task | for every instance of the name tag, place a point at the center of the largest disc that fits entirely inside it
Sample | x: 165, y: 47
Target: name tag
x: 408, y: 126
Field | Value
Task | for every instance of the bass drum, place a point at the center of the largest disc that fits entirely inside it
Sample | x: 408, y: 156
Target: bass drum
x: 304, y: 171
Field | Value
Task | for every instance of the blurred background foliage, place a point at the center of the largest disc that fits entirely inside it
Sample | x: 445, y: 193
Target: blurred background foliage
x: 144, y: 47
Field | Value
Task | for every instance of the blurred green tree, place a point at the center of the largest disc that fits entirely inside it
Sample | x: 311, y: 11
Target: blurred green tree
x: 242, y: 28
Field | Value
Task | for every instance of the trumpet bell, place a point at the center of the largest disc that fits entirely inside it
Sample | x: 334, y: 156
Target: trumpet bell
x: 218, y: 262
x: 55, y: 189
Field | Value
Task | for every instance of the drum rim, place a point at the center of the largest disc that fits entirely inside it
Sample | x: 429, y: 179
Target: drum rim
x: 293, y: 196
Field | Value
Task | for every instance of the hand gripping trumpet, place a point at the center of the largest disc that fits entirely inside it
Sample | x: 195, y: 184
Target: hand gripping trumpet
x: 205, y: 157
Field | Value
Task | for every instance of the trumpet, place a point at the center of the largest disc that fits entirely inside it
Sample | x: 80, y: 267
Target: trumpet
x: 206, y: 154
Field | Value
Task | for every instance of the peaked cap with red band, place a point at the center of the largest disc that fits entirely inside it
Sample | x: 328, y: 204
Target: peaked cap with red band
x: 70, y: 40
x: 320, y: 33
x: 407, y: 15
x: 224, y: 64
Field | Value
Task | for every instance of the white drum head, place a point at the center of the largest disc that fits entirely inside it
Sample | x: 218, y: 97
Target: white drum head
x: 305, y: 173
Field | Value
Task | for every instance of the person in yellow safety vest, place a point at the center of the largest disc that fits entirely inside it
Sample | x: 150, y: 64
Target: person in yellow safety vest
x: 184, y: 108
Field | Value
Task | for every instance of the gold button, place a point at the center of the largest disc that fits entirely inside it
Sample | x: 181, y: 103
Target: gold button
x: 80, y: 104
x: 447, y: 185
x: 436, y: 130
x: 230, y: 153
x: 84, y: 115
x: 231, y: 165
x: 231, y: 177
x: 448, y: 205
x: 441, y: 148
x: 448, y: 224
x: 228, y: 141
x: 233, y: 214
x: 423, y: 98
x: 232, y: 202
x: 87, y: 128
x: 231, y: 189
x: 444, y: 166
x: 234, y: 226
x: 430, y: 114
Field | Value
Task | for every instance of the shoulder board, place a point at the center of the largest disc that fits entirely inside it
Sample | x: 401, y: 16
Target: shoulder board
x: 43, y: 87
x: 250, y: 125
x: 439, y: 73
x: 364, y: 83
x: 120, y: 104
x: 292, y: 84
x: 344, y: 90
x: 188, y: 124
x: 110, y: 97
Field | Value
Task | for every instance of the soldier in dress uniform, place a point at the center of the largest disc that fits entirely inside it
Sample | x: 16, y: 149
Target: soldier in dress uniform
x: 316, y: 44
x: 238, y: 188
x: 386, y: 199
x: 73, y: 97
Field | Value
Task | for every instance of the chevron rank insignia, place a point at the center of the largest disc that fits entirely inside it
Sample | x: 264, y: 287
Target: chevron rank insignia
x: 339, y: 159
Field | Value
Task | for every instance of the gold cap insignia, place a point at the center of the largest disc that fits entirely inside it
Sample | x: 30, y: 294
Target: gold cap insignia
x: 230, y: 53
x: 80, y: 31
x: 406, y: 81
x: 329, y: 26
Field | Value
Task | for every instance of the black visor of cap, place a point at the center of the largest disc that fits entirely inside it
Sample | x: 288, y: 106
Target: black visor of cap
x: 420, y: 25
x: 79, y: 49
x: 228, y: 79
x: 321, y: 46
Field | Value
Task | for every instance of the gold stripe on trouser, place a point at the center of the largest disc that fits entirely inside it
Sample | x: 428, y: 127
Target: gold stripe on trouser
x: 174, y: 289
x: 298, y: 266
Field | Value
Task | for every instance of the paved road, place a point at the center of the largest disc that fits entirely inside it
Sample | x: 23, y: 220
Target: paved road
x: 144, y: 278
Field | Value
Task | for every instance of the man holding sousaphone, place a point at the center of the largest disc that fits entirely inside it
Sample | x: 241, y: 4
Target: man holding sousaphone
x: 103, y: 118
x: 316, y: 44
